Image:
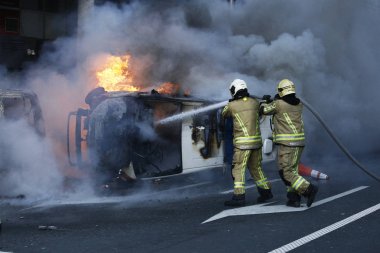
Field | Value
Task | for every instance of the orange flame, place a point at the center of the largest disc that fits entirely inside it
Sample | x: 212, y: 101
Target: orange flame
x: 187, y: 92
x: 168, y: 88
x: 116, y: 75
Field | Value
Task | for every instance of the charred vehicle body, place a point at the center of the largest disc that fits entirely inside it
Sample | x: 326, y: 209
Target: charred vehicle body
x: 119, y: 135
x: 20, y: 113
x: 22, y: 104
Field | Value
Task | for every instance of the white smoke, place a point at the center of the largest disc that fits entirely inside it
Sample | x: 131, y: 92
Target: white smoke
x: 28, y: 166
x: 329, y: 48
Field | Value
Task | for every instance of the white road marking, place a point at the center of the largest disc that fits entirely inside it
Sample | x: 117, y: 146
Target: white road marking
x: 326, y: 230
x: 339, y: 195
x: 265, y: 208
x: 250, y: 186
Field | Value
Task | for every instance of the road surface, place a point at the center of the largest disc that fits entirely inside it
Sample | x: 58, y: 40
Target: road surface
x: 186, y: 214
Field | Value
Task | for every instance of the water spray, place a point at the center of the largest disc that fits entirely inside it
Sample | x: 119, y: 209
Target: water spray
x: 183, y: 115
x: 188, y: 114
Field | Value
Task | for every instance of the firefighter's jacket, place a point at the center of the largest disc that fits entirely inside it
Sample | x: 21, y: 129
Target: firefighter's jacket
x: 246, y: 126
x: 288, y: 123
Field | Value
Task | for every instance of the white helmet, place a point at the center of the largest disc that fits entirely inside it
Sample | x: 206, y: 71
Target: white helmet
x: 237, y: 85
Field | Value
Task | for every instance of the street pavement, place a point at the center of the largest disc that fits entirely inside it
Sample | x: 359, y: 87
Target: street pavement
x: 186, y: 214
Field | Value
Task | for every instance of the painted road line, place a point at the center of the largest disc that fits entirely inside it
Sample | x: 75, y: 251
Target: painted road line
x: 250, y: 186
x: 267, y: 208
x: 326, y: 230
x: 339, y: 195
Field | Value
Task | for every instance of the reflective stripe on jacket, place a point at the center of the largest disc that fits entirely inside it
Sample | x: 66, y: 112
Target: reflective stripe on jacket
x: 288, y: 123
x: 246, y: 126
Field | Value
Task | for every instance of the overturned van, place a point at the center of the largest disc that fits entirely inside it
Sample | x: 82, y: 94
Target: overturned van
x: 22, y: 104
x: 119, y: 133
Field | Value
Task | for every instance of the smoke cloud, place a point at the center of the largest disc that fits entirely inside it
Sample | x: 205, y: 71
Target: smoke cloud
x: 328, y: 48
x: 27, y: 163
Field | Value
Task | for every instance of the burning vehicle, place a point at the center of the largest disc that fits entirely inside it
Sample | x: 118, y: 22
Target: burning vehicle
x: 122, y: 134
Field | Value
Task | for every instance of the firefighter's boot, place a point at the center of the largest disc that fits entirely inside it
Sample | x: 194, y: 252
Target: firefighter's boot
x: 265, y: 194
x: 294, y: 200
x: 310, y: 194
x: 236, y: 200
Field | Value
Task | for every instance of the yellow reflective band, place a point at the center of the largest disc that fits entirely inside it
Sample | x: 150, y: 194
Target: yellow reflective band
x: 239, y: 185
x: 241, y: 124
x: 263, y: 183
x: 225, y: 109
x: 300, y: 134
x: 248, y: 139
x: 269, y: 108
x: 242, y: 141
x: 290, y: 123
x: 298, y: 183
x: 289, y: 137
x: 261, y: 173
x: 262, y: 180
x: 253, y: 137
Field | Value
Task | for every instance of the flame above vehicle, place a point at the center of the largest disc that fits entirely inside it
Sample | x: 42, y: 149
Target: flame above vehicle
x: 116, y: 75
x: 168, y: 88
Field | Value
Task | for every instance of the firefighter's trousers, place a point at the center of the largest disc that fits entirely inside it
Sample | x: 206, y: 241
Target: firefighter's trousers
x: 288, y: 160
x: 251, y: 158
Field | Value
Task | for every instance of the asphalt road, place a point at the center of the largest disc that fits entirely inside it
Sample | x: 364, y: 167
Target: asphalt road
x: 170, y: 215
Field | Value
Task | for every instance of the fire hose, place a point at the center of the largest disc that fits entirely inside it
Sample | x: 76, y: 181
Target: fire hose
x: 340, y: 145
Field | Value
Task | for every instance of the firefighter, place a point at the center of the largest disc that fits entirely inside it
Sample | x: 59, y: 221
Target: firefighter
x: 244, y: 111
x: 289, y: 136
x: 95, y: 97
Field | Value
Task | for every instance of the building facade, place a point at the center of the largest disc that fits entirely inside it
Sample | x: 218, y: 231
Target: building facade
x: 26, y: 24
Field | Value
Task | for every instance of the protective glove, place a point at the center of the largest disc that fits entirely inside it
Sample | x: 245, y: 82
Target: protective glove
x: 267, y: 98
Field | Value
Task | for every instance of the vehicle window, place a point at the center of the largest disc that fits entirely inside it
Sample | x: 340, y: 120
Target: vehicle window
x: 162, y: 110
x: 13, y: 108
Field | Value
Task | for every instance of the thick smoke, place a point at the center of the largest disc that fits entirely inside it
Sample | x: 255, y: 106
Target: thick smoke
x: 328, y: 48
x: 27, y: 163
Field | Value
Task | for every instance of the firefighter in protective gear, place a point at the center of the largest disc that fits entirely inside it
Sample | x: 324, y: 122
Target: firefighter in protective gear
x: 244, y: 111
x: 289, y: 135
